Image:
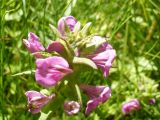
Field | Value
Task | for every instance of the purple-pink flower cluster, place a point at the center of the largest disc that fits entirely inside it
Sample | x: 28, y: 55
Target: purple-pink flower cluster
x: 53, y: 65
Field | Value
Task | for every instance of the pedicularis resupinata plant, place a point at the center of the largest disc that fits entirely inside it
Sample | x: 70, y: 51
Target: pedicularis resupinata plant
x: 59, y: 65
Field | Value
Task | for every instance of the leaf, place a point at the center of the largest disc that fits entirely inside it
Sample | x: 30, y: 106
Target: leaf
x: 44, y: 116
x: 13, y: 88
x: 69, y: 7
x: 24, y: 73
x: 45, y: 92
x: 86, y: 61
x: 78, y: 94
x: 68, y: 10
x: 13, y: 16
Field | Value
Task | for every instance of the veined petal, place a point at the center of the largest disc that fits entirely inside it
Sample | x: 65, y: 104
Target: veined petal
x: 96, y: 94
x: 55, y: 46
x: 33, y: 45
x: 57, y: 61
x: 91, y: 105
x: 130, y: 106
x: 32, y: 94
x: 104, y: 57
x: 51, y: 70
x: 32, y: 37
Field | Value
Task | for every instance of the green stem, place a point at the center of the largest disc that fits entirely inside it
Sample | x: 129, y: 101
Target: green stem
x: 2, y: 44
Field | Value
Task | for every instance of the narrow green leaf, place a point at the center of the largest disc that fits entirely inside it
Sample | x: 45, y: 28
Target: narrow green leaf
x: 68, y: 10
x: 69, y: 7
x: 78, y: 94
x: 28, y: 72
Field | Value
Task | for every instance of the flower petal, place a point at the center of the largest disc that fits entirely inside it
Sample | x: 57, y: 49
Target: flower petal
x: 51, y: 70
x: 104, y: 57
x: 55, y: 46
x: 91, y: 105
x: 33, y: 45
x: 97, y: 95
x: 130, y: 106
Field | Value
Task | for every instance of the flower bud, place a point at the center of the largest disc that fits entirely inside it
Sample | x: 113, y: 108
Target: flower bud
x: 70, y: 21
x: 33, y: 44
x: 152, y: 101
x: 71, y: 107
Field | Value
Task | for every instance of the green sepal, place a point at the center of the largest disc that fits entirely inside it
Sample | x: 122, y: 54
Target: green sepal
x: 46, y: 54
x: 85, y: 61
x: 91, y: 45
x: 45, y: 92
x: 95, y: 43
x: 77, y: 27
x: 68, y: 48
x: 56, y: 32
x: 85, y: 29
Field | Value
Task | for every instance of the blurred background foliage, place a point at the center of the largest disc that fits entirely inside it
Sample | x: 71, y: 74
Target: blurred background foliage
x: 134, y: 30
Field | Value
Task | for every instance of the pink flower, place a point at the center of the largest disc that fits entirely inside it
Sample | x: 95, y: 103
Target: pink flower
x: 51, y: 70
x: 33, y: 44
x: 97, y: 95
x: 55, y: 46
x: 104, y: 57
x: 130, y: 106
x: 70, y: 21
x: 71, y: 107
x: 36, y: 101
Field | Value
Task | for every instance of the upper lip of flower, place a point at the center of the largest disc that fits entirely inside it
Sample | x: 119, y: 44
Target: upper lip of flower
x: 51, y: 70
x: 63, y: 69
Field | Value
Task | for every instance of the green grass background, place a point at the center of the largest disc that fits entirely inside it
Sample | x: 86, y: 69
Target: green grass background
x: 134, y: 30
